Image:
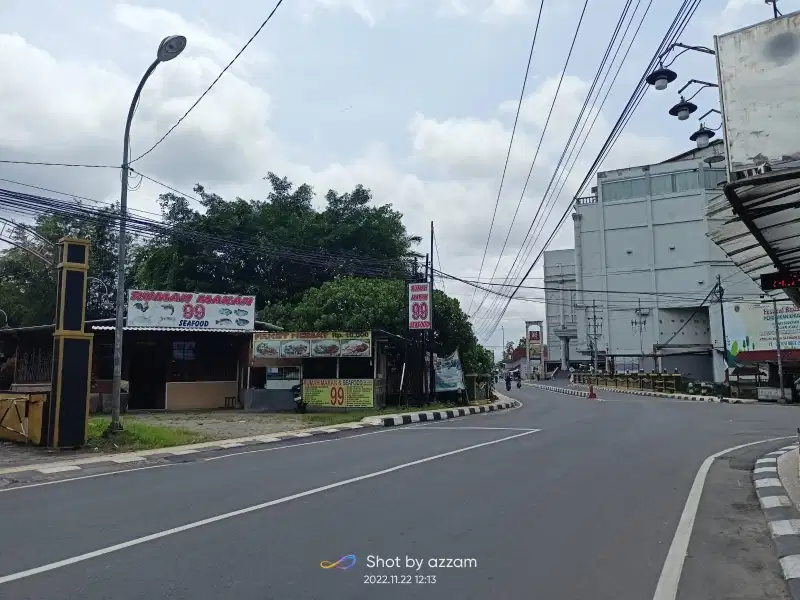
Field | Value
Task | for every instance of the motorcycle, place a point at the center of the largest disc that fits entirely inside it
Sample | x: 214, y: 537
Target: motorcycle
x: 299, y: 405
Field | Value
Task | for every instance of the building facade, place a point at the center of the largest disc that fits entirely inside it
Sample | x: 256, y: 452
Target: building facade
x: 645, y: 268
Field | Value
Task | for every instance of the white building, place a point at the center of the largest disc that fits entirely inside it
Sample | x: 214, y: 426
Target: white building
x: 644, y: 266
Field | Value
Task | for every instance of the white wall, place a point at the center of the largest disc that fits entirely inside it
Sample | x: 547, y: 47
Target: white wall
x: 559, y: 283
x: 645, y: 239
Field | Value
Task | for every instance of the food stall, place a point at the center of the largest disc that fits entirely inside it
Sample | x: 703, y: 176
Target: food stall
x: 336, y: 369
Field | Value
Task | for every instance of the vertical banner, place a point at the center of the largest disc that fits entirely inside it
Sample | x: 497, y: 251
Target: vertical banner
x: 420, y: 315
x: 535, y: 343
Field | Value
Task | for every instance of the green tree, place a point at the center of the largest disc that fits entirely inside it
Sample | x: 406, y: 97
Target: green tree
x: 286, y: 226
x: 27, y: 283
x: 349, y: 303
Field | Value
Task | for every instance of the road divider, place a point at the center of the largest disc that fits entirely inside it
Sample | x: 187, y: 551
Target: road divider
x: 440, y: 415
x: 676, y: 396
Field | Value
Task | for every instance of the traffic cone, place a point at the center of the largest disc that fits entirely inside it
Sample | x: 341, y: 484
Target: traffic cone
x: 592, y: 395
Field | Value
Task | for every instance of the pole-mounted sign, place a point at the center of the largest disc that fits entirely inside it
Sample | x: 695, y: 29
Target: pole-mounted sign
x: 420, y: 315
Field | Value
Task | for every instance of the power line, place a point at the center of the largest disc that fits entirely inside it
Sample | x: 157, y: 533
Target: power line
x: 439, y: 258
x: 55, y: 164
x: 165, y: 186
x: 213, y: 83
x: 578, y: 121
x: 510, y: 144
x: 539, y: 145
x: 679, y: 23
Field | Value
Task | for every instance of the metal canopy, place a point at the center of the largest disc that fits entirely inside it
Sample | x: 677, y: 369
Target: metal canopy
x: 761, y: 231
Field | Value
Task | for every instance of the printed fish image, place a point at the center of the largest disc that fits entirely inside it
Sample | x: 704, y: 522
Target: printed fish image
x: 326, y: 349
x: 240, y: 312
x: 224, y: 321
x: 168, y: 308
x: 225, y: 311
x: 142, y: 307
x: 355, y: 348
x: 264, y: 349
x: 242, y: 322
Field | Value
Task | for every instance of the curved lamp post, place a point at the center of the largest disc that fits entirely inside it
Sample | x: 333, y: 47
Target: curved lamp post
x: 169, y: 48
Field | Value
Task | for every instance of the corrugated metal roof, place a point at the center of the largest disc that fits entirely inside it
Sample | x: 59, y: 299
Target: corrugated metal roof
x: 759, y: 229
x: 181, y: 329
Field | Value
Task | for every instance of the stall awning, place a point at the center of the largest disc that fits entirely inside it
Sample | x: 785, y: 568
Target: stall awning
x: 760, y: 225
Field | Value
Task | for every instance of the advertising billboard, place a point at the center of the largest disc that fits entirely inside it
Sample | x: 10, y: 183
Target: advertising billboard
x: 312, y: 344
x: 751, y: 327
x: 535, y: 343
x: 758, y: 68
x: 420, y: 315
x: 189, y: 310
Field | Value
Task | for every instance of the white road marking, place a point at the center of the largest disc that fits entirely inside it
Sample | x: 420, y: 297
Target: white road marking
x: 667, y: 587
x: 243, y: 511
x: 775, y: 501
x: 106, y: 474
x: 765, y: 470
x: 784, y: 527
x: 127, y: 459
x: 273, y: 448
x: 488, y: 428
x: 771, y: 482
x: 791, y: 566
x: 58, y: 469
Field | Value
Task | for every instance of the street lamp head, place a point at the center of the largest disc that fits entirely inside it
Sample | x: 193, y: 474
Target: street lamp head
x: 170, y: 47
x: 661, y: 78
x: 702, y: 136
x: 683, y: 109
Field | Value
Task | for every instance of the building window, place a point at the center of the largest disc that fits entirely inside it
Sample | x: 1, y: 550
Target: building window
x: 673, y: 183
x: 183, y: 351
x: 625, y: 188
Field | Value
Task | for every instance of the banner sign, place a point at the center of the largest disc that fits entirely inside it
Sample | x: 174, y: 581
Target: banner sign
x: 312, y: 344
x: 535, y: 343
x: 339, y: 393
x: 420, y: 314
x: 751, y: 327
x: 449, y: 373
x: 185, y: 310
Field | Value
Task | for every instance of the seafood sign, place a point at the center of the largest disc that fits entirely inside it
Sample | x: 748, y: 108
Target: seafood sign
x: 310, y: 344
x: 420, y: 313
x: 186, y: 310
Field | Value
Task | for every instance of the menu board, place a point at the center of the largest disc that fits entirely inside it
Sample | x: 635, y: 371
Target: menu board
x: 301, y: 344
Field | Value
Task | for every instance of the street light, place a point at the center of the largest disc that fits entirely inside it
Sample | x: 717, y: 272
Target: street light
x: 683, y: 109
x: 169, y: 48
x: 663, y: 75
x: 702, y: 136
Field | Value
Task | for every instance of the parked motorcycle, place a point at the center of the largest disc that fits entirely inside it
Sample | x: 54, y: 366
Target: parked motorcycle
x: 299, y: 405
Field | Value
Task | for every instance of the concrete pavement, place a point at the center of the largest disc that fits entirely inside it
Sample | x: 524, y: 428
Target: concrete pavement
x: 563, y: 498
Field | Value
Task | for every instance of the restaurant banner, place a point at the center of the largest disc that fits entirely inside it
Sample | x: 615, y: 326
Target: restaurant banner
x: 312, y: 344
x: 188, y: 310
x: 339, y: 393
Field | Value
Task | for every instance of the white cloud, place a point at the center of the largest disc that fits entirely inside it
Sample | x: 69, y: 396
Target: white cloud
x: 72, y: 109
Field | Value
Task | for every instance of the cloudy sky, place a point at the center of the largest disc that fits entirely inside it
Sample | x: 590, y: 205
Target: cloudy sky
x: 415, y: 99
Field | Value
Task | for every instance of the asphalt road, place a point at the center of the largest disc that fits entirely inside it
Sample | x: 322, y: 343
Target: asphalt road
x: 564, y: 498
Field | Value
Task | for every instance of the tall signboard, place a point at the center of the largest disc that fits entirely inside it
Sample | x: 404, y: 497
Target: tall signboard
x: 420, y: 315
x: 758, y: 69
x: 188, y: 310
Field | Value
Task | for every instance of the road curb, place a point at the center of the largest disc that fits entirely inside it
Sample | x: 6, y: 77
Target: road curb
x: 783, y: 518
x: 443, y: 415
x: 131, y: 458
x: 561, y: 390
x: 694, y: 397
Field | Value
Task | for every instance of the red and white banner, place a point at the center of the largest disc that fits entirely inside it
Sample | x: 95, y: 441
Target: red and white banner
x: 420, y: 313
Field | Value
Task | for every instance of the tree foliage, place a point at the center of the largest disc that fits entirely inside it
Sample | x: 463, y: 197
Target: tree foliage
x: 28, y: 285
x: 352, y: 304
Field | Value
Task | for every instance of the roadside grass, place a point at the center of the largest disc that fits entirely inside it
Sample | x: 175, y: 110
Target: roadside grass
x: 139, y: 436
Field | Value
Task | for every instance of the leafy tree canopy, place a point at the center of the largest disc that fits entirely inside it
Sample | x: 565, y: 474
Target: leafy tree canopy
x: 351, y: 304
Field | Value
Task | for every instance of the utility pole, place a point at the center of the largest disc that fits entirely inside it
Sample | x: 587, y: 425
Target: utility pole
x: 422, y: 341
x: 640, y: 324
x: 778, y: 349
x: 594, y: 332
x: 432, y: 366
x: 720, y: 292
